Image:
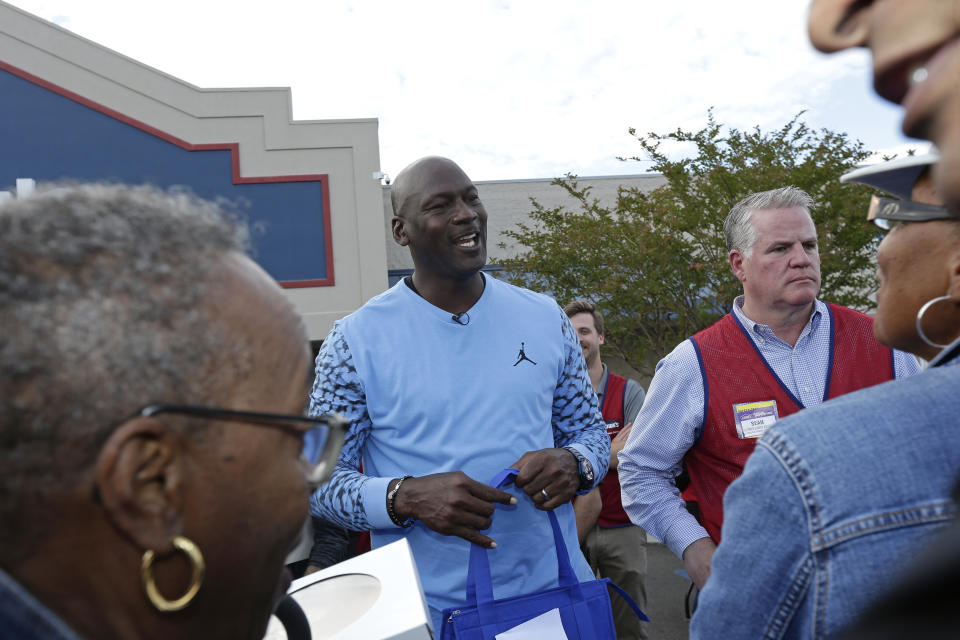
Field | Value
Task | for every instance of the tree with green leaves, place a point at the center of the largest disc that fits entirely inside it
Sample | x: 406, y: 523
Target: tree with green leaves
x: 655, y: 263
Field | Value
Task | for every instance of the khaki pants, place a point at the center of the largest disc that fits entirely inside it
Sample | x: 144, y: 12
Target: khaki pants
x: 620, y: 553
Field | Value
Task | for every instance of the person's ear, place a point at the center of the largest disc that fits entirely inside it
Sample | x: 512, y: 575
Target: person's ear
x: 834, y: 25
x: 953, y: 292
x: 601, y: 338
x: 736, y: 264
x: 139, y: 474
x: 953, y: 289
x: 399, y: 229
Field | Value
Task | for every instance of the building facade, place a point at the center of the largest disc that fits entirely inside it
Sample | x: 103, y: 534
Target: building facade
x: 72, y: 110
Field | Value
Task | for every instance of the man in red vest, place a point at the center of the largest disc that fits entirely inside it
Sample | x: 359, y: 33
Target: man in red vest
x: 615, y: 547
x: 714, y: 395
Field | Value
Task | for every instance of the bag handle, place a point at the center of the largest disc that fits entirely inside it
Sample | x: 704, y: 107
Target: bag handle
x: 628, y: 600
x: 479, y: 580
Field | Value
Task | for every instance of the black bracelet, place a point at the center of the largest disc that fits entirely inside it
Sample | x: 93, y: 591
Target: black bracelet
x: 391, y: 497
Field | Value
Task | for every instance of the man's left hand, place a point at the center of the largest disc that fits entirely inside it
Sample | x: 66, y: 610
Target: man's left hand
x: 552, y: 470
x: 617, y: 444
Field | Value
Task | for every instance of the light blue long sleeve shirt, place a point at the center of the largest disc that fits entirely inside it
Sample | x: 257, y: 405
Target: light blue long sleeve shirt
x: 425, y: 394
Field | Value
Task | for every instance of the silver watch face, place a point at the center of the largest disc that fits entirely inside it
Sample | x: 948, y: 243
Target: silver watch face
x: 583, y: 466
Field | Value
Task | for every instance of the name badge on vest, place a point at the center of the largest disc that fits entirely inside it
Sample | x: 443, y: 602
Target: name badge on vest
x: 754, y: 418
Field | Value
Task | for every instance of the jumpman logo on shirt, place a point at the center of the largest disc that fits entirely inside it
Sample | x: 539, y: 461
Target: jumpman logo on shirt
x: 522, y: 356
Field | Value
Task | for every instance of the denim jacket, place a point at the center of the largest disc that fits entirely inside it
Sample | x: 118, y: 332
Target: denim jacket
x: 831, y: 507
x: 23, y: 617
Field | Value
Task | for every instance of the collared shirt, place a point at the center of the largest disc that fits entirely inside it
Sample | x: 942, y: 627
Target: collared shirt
x: 23, y: 617
x: 831, y: 509
x: 633, y: 395
x: 671, y: 419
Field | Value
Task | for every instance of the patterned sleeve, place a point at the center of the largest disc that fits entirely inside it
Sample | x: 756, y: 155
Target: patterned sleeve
x: 577, y: 422
x: 337, y: 388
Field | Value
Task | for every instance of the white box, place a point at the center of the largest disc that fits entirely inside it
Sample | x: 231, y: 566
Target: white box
x: 373, y: 596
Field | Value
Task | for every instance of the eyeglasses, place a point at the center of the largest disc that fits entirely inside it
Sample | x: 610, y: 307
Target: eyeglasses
x: 887, y: 213
x: 322, y: 435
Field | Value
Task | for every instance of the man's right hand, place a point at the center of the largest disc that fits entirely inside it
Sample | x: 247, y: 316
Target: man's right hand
x: 696, y: 560
x: 451, y: 503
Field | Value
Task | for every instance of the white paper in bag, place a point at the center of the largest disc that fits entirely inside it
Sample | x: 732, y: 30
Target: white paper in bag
x: 546, y: 626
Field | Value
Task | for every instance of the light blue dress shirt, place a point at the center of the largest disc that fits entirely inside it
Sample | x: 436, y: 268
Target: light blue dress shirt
x: 832, y: 508
x: 671, y: 419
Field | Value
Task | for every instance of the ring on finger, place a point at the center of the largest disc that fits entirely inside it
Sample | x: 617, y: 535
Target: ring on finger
x: 546, y: 496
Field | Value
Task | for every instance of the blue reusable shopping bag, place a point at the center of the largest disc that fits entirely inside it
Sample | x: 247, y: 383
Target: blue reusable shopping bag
x: 584, y: 606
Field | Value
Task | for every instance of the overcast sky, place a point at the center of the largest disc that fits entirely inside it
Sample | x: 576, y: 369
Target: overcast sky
x: 509, y: 89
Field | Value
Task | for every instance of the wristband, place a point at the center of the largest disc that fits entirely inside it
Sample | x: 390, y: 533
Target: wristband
x: 391, y: 496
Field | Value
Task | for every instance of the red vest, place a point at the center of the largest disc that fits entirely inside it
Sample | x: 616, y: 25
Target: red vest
x: 612, y: 513
x: 735, y: 372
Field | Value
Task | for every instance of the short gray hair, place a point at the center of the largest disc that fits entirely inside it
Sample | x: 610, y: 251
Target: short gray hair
x: 102, y: 309
x: 738, y: 228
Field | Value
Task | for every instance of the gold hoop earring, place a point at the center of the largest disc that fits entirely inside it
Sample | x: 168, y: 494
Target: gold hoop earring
x: 160, y: 603
x: 920, y: 313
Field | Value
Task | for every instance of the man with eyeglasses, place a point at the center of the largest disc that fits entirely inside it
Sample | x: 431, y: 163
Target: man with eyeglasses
x: 448, y: 378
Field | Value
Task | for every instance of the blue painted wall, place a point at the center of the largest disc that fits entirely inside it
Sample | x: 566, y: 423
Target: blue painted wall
x: 46, y: 136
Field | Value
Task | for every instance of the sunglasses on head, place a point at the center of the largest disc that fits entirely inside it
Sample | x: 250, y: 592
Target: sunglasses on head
x: 887, y: 213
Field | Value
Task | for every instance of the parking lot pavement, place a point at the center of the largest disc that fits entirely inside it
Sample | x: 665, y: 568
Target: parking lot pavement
x: 666, y: 591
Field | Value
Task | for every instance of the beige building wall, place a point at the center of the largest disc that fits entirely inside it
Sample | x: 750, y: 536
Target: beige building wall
x: 508, y: 202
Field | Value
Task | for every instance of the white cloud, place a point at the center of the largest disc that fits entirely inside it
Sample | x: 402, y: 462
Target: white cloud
x: 508, y: 89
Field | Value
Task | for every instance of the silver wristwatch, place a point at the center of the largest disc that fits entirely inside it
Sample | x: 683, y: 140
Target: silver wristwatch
x: 584, y: 468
